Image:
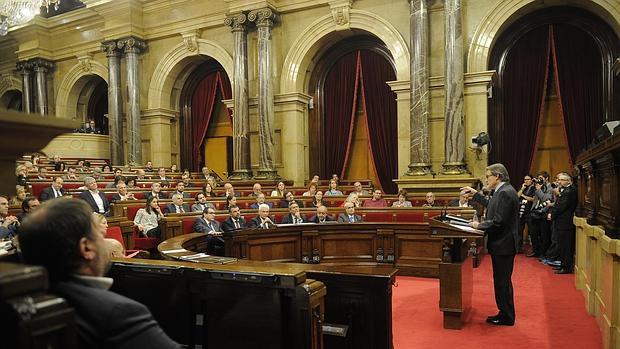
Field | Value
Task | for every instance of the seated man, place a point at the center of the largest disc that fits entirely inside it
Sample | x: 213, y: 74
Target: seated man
x: 206, y: 174
x: 155, y: 191
x: 376, y: 201
x: 71, y: 174
x: 229, y: 190
x: 430, y: 200
x: 462, y: 201
x: 8, y: 224
x: 185, y: 179
x: 149, y: 167
x: 201, y: 203
x: 234, y: 221
x: 207, y: 224
x: 289, y: 198
x: 121, y: 193
x: 262, y: 221
x: 260, y: 199
x: 180, y: 189
x: 29, y: 204
x: 321, y: 216
x: 95, y: 198
x: 293, y: 217
x: 64, y: 237
x: 349, y: 216
x: 257, y: 189
x: 161, y: 175
x: 358, y: 189
x: 177, y: 205
x: 140, y: 174
x: 54, y: 191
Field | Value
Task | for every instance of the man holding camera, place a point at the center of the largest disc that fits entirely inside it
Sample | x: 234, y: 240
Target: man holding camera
x: 540, y: 228
x: 526, y: 199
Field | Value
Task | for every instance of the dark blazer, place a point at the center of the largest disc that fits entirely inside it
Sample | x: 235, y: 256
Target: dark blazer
x: 344, y: 218
x: 170, y: 208
x: 133, y: 325
x: 117, y: 197
x: 201, y: 226
x: 288, y: 219
x: 564, y: 209
x: 229, y: 225
x: 285, y: 203
x: 256, y: 223
x: 315, y: 219
x: 48, y: 193
x: 255, y: 205
x: 502, y: 220
x: 85, y: 195
x: 161, y: 195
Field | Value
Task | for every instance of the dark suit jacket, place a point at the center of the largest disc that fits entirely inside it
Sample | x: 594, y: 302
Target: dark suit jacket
x: 315, y: 219
x: 256, y: 222
x: 161, y: 195
x: 229, y: 225
x: 85, y: 195
x: 133, y: 326
x: 288, y: 219
x: 255, y: 205
x: 502, y: 220
x: 170, y: 208
x: 201, y: 226
x: 48, y: 193
x: 285, y: 203
x: 564, y: 209
x: 344, y: 218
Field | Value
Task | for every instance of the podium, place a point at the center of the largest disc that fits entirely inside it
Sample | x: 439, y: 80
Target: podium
x: 455, y: 271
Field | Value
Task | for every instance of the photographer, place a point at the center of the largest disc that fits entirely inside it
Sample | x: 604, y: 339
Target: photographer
x: 540, y: 228
x: 526, y: 200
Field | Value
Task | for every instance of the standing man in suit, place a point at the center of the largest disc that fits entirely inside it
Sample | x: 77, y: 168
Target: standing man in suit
x: 262, y: 221
x: 501, y: 225
x: 293, y: 217
x: 65, y: 237
x: 234, y: 221
x: 54, y: 191
x: 207, y: 224
x: 561, y: 214
x: 177, y: 205
x: 349, y: 216
x: 94, y: 197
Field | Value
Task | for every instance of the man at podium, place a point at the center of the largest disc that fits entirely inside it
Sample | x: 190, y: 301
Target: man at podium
x: 501, y: 225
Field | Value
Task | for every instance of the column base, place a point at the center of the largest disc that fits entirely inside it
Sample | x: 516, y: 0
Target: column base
x: 240, y: 175
x: 419, y: 169
x: 454, y: 168
x: 267, y: 173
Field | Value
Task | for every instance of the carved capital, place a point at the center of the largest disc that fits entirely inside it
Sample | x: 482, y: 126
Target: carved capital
x: 110, y: 48
x: 42, y: 64
x: 24, y: 67
x: 190, y: 40
x: 264, y: 17
x: 131, y: 45
x: 341, y: 13
x: 237, y: 22
x: 85, y: 62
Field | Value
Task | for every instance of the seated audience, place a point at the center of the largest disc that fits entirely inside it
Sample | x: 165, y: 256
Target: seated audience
x: 321, y: 216
x: 234, y: 221
x: 185, y: 178
x: 18, y: 198
x: 62, y: 236
x: 262, y: 221
x: 115, y: 248
x: 256, y: 190
x: 201, y: 203
x: 60, y: 167
x: 462, y: 201
x: 180, y: 189
x: 349, y: 216
x: 430, y: 200
x: 42, y: 173
x: 121, y: 193
x: 107, y: 168
x: 294, y: 216
x: 208, y: 191
x: 229, y: 190
x: 161, y: 175
x: 173, y: 168
x: 147, y: 218
x: 333, y: 189
x: 155, y: 191
x: 377, y: 200
x: 29, y: 204
x: 71, y: 174
x: 207, y: 224
x: 177, y: 205
x: 318, y: 200
x: 8, y: 224
x: 140, y: 174
x: 230, y: 201
x: 97, y: 173
x: 131, y: 183
x: 354, y: 199
x: 95, y: 198
x: 206, y: 174
x: 54, y: 191
x: 312, y: 188
x: 21, y: 174
x: 402, y: 199
x: 359, y: 190
x: 116, y: 180
x: 315, y: 179
x: 260, y: 199
x: 289, y: 198
x: 149, y: 167
x: 279, y: 191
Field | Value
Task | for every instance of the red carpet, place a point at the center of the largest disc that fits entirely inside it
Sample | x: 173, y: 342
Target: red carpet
x: 550, y: 313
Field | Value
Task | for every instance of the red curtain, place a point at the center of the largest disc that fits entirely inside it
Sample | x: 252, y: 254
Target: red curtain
x: 524, y: 86
x: 203, y: 105
x: 340, y: 100
x: 579, y: 82
x: 379, y: 104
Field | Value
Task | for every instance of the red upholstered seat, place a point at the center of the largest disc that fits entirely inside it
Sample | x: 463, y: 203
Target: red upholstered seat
x: 411, y: 216
x: 187, y: 226
x: 279, y: 216
x: 143, y: 243
x: 131, y: 212
x: 116, y: 234
x: 138, y: 195
x: 37, y: 188
x: 378, y: 217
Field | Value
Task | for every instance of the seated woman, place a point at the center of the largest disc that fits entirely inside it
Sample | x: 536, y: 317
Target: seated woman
x: 173, y: 168
x: 106, y: 168
x: 318, y: 200
x: 20, y: 195
x: 354, y: 199
x: 312, y: 188
x: 279, y: 191
x: 208, y: 190
x: 230, y: 201
x: 147, y: 218
x: 333, y: 189
x: 131, y: 182
x: 402, y: 199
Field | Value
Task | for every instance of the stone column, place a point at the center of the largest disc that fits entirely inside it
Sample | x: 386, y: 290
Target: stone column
x: 454, y: 130
x: 41, y: 67
x: 420, y: 96
x: 132, y: 47
x: 264, y: 19
x: 242, y: 167
x: 25, y: 69
x: 115, y: 121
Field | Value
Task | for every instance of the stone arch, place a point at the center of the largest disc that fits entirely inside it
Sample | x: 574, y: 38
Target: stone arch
x: 175, y: 63
x: 309, y: 43
x: 506, y: 12
x: 73, y: 83
x: 10, y: 83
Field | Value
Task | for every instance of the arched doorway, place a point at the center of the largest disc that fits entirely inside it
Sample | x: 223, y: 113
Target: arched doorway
x: 352, y: 127
x: 205, y: 122
x: 92, y: 102
x: 554, y: 85
x: 12, y: 100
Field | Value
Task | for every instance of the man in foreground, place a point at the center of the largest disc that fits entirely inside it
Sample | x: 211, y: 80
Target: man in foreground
x: 64, y: 237
x: 501, y: 225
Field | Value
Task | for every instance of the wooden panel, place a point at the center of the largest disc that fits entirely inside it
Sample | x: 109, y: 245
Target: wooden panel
x: 418, y: 254
x: 342, y: 247
x: 275, y: 249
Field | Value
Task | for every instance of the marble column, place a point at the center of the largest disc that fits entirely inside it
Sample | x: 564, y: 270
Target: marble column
x: 25, y: 69
x: 454, y: 129
x: 242, y: 167
x: 264, y: 19
x: 420, y: 95
x: 132, y: 47
x: 41, y: 67
x: 115, y: 120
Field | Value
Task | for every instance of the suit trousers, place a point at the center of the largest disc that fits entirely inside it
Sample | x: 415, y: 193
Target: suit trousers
x: 566, y: 244
x: 545, y: 236
x: 533, y: 227
x: 502, y: 283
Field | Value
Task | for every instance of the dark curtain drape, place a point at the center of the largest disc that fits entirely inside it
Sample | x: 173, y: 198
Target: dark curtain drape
x: 579, y: 82
x: 523, y: 85
x: 340, y: 99
x: 380, y: 111
x: 203, y: 105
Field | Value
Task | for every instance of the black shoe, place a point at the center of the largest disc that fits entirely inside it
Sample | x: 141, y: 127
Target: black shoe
x: 532, y: 254
x: 493, y: 318
x: 496, y: 320
x: 557, y: 268
x: 564, y: 271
